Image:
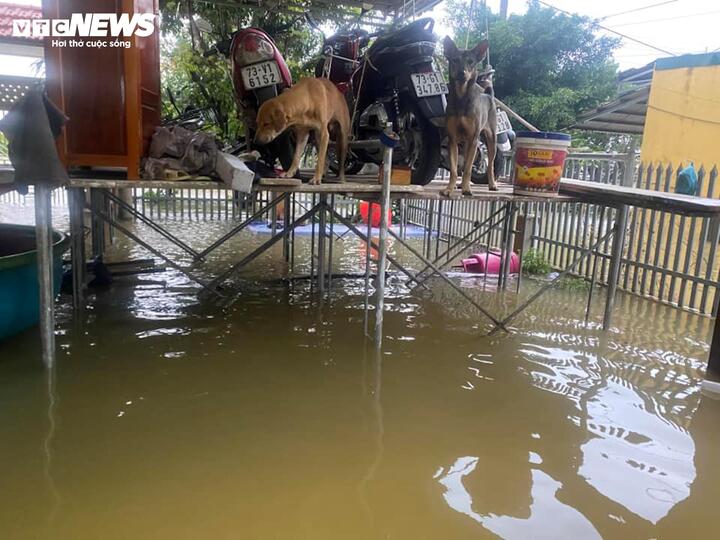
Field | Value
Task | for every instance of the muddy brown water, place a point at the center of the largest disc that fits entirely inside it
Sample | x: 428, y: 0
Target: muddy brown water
x: 167, y: 418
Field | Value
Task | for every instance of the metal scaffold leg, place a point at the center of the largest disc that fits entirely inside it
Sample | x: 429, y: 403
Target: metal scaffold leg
x: 508, y: 234
x: 322, y: 236
x: 43, y: 239
x: 76, y: 199
x: 382, y: 246
x: 615, y: 263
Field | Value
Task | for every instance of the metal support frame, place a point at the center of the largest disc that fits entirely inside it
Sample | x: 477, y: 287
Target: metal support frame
x: 368, y: 239
x: 448, y: 254
x: 77, y: 245
x: 256, y: 215
x: 97, y: 228
x: 615, y: 263
x: 110, y: 221
x: 585, y: 253
x: 150, y: 223
x: 262, y: 248
x: 447, y: 280
x: 322, y: 236
x: 367, y: 268
x: 593, y: 274
x: 321, y: 271
x: 508, y: 235
x: 44, y: 241
x: 382, y: 246
x: 286, y: 220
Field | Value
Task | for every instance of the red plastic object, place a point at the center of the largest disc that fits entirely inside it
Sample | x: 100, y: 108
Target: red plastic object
x: 476, y: 263
x: 373, y: 211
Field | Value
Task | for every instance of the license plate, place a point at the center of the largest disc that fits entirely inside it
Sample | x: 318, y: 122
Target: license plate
x: 261, y: 75
x: 503, y: 123
x: 428, y: 84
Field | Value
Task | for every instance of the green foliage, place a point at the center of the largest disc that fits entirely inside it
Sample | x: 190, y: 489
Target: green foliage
x: 534, y: 263
x: 179, y: 65
x: 550, y: 66
x: 574, y: 284
x: 603, y: 142
x: 183, y: 47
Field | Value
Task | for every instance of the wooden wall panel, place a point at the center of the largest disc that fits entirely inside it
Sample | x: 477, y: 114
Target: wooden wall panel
x: 111, y: 95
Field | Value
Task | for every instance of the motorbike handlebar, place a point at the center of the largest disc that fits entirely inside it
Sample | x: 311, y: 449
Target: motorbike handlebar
x: 221, y: 47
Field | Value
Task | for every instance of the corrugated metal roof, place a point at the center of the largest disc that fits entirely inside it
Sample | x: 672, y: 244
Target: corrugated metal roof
x: 625, y: 114
x: 688, y: 61
x: 10, y: 11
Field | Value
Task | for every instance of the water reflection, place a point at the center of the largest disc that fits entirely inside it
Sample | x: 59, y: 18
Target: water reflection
x: 636, y: 450
x: 635, y: 457
x: 544, y: 517
x: 47, y: 447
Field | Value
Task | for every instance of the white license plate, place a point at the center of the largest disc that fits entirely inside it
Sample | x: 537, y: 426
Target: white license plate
x: 261, y: 75
x: 503, y: 123
x: 428, y: 84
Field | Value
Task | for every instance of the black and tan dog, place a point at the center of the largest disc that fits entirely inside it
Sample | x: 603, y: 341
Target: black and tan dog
x: 470, y: 113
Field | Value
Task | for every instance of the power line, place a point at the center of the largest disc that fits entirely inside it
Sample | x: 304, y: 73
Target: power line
x: 669, y: 18
x: 637, y: 9
x: 610, y: 30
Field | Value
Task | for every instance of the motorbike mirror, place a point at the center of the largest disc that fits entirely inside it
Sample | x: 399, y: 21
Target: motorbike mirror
x: 223, y: 47
x: 203, y: 25
x: 311, y: 20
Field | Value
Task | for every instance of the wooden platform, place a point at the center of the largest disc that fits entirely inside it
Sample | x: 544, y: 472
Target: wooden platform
x: 367, y: 187
x: 360, y: 187
x: 610, y: 195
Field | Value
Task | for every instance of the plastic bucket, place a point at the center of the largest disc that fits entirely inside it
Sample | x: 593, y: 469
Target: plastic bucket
x: 539, y: 161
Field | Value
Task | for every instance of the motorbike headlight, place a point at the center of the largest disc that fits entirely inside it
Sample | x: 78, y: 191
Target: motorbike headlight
x: 254, y: 49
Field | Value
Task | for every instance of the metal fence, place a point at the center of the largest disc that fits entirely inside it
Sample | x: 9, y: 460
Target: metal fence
x: 667, y: 257
x: 218, y: 204
x: 58, y: 198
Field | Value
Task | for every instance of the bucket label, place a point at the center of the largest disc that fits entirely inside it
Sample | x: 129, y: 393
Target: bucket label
x: 540, y: 154
x: 538, y: 169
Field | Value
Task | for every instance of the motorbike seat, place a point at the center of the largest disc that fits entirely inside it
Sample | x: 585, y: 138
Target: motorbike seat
x: 420, y: 30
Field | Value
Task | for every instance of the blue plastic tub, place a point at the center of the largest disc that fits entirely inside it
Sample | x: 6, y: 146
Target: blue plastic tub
x: 19, y: 291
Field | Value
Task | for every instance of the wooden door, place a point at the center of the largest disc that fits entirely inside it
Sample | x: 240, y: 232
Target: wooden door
x: 110, y: 94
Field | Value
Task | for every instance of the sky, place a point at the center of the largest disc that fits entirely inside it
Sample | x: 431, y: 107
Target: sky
x: 676, y: 26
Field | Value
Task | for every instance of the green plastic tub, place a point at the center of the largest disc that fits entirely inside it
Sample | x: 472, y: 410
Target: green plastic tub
x: 19, y: 291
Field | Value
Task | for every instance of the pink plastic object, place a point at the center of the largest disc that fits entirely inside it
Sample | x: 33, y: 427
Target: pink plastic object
x: 476, y: 263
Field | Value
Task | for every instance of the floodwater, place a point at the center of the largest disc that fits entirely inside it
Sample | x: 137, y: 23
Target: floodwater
x: 169, y: 418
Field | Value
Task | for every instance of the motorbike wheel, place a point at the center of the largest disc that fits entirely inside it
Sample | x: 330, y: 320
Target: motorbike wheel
x: 352, y: 164
x: 283, y: 148
x: 479, y: 171
x: 419, y: 144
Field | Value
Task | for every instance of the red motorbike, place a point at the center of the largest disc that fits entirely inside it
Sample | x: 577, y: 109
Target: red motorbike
x: 259, y: 73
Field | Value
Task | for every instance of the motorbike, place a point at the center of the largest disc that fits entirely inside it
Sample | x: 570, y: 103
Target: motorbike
x: 259, y: 73
x: 395, y: 82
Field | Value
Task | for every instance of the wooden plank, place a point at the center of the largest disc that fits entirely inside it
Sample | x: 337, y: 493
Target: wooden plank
x: 571, y: 191
x: 610, y: 195
x: 280, y: 182
x: 360, y: 189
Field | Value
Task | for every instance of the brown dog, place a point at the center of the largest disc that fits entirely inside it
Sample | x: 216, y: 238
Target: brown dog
x: 311, y: 105
x: 470, y: 113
